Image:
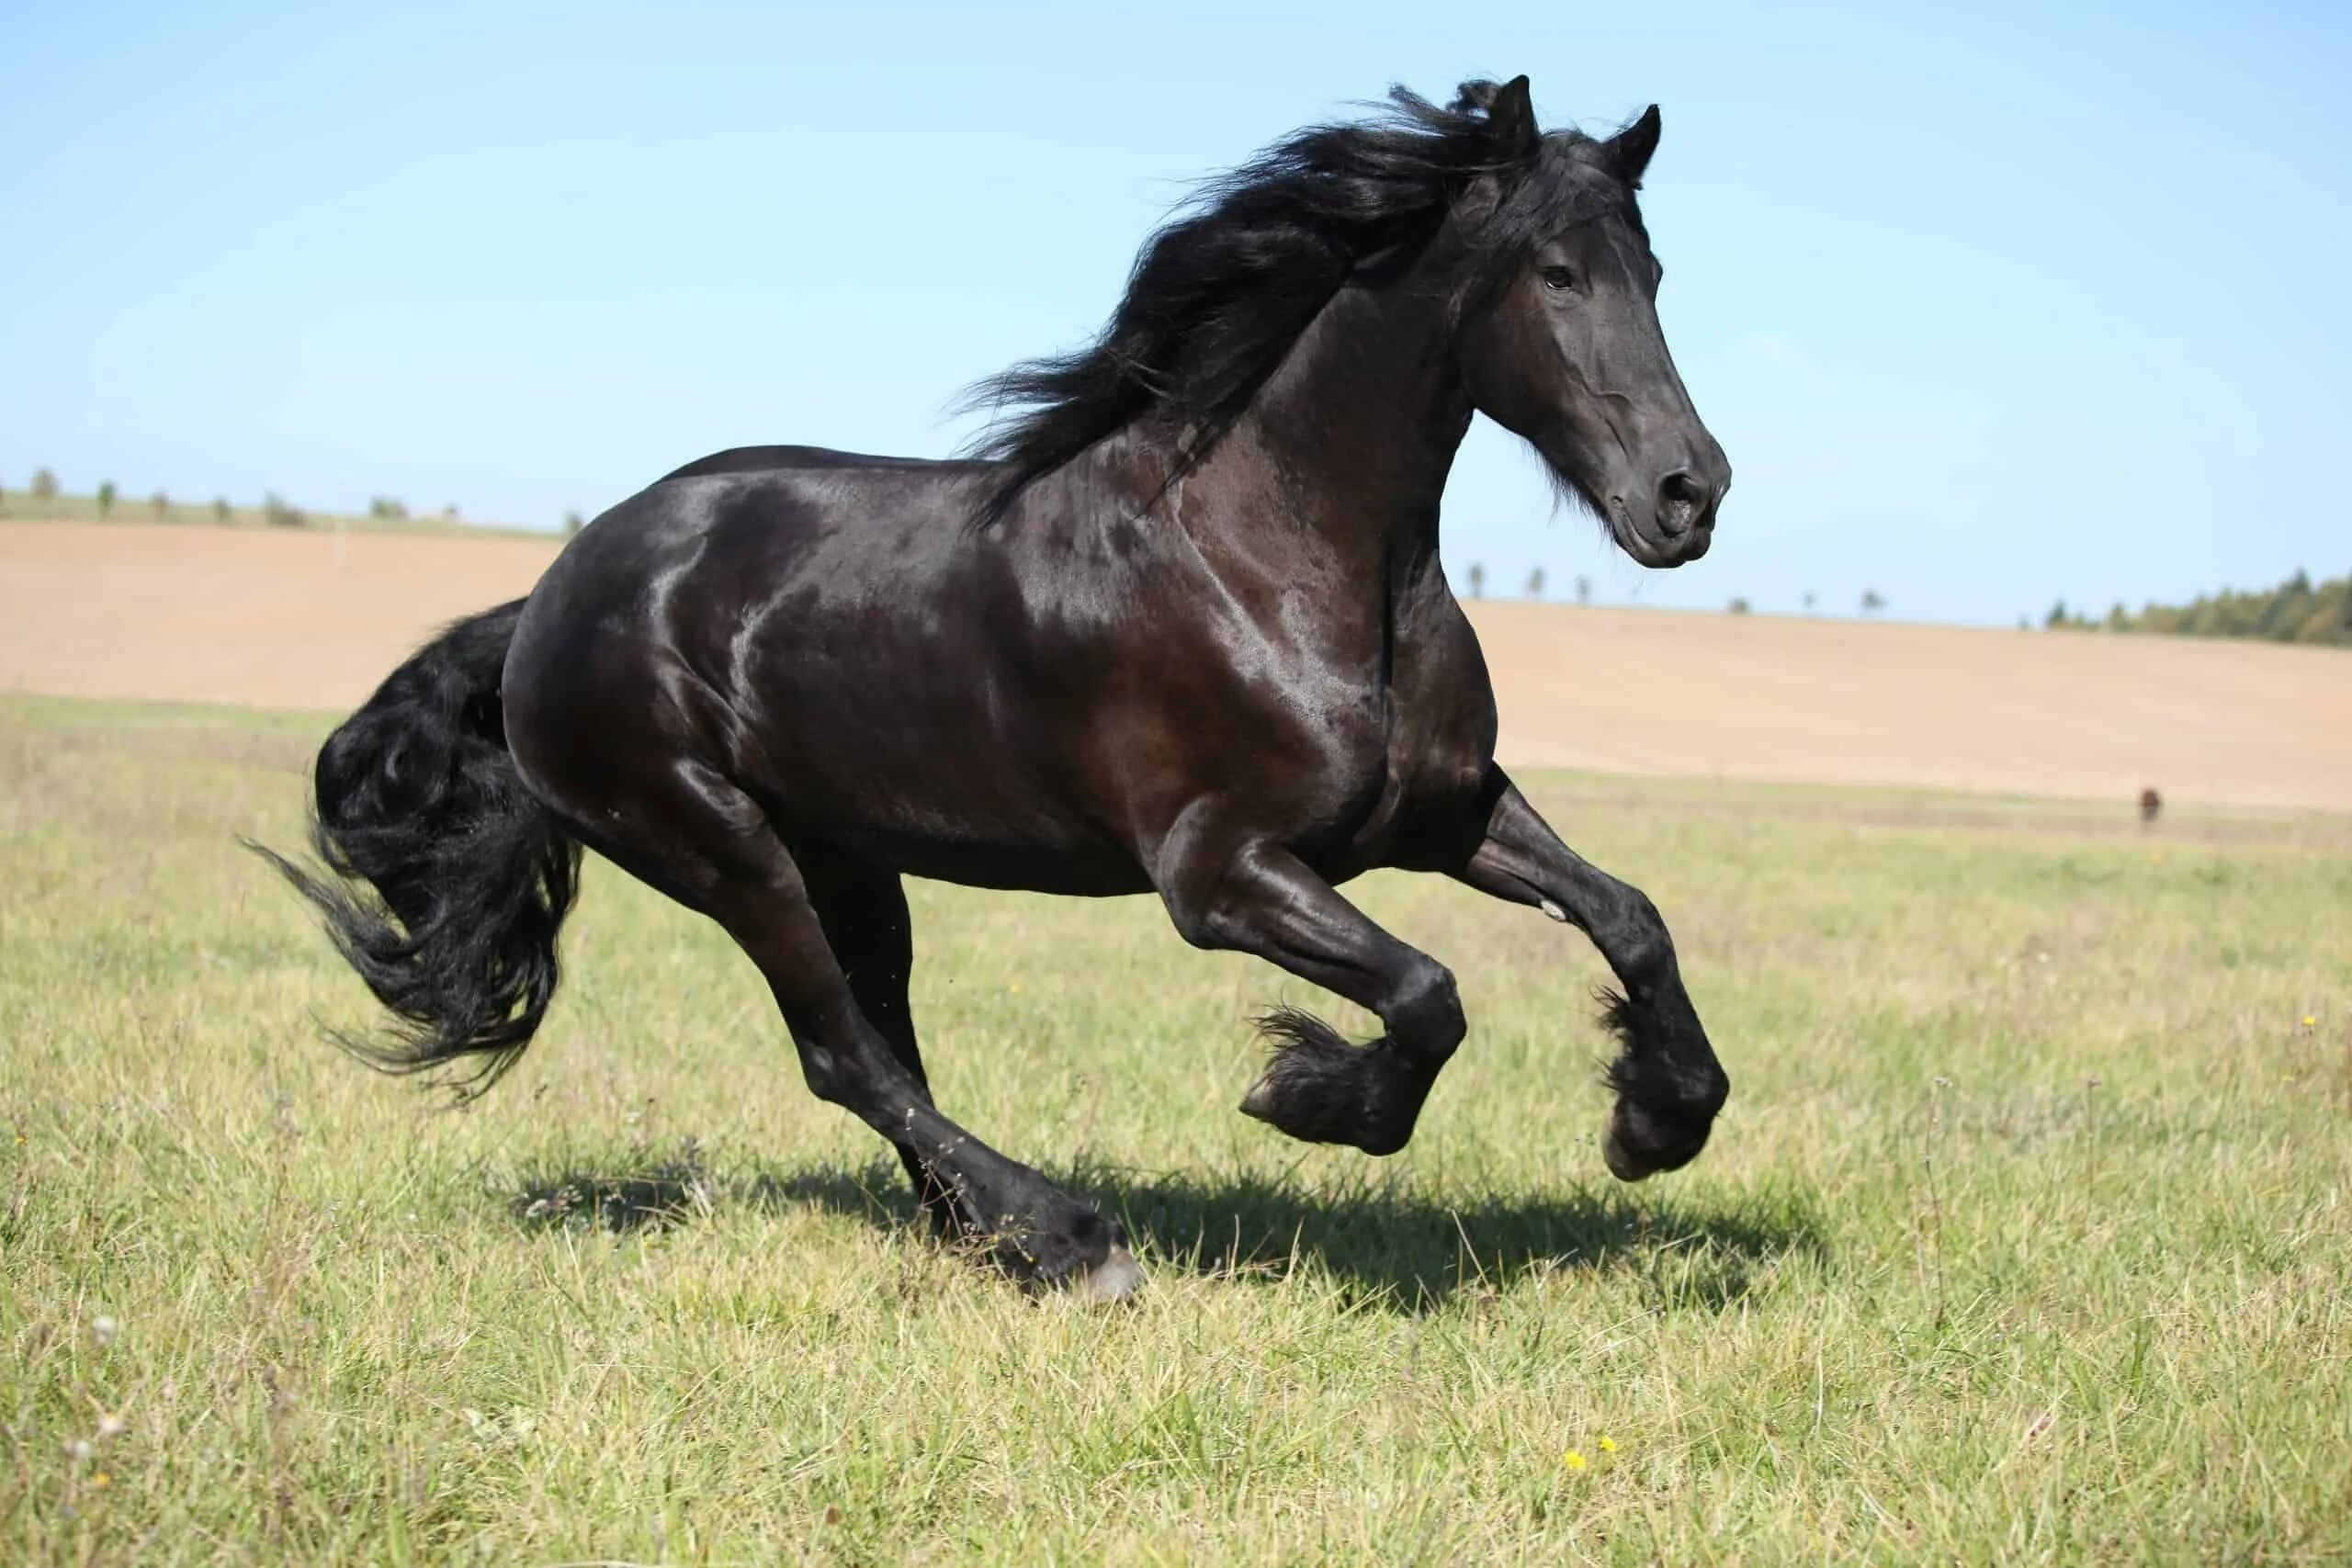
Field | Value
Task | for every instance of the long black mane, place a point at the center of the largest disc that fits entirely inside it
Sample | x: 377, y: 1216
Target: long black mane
x: 1219, y: 293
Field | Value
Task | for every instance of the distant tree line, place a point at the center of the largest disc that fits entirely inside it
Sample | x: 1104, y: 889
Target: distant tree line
x: 1871, y: 601
x: 275, y: 510
x: 2298, y: 610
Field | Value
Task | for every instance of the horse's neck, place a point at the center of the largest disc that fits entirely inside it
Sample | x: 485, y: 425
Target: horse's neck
x: 1362, y: 421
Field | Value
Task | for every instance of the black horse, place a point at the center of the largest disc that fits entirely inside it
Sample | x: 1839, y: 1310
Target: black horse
x: 1179, y: 626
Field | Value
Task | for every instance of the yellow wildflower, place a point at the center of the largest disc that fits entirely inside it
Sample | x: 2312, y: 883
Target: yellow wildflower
x: 1607, y: 1445
x: 102, y: 1478
x: 1572, y: 1460
x: 2311, y: 1020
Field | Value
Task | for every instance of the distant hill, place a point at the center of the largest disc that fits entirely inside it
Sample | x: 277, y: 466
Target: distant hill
x: 310, y: 618
x: 2296, y: 611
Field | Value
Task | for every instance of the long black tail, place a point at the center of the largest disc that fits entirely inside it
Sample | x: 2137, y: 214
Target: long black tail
x: 419, y: 802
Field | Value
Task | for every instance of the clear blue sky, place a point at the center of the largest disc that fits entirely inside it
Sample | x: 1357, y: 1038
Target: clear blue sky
x: 1988, y: 303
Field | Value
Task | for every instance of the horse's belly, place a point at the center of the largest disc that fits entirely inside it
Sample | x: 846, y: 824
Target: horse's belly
x: 943, y: 813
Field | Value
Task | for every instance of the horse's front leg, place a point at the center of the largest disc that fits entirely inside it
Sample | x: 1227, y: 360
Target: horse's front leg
x: 1256, y: 897
x: 1670, y: 1084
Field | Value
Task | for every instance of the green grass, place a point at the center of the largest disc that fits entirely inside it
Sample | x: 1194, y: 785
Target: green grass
x: 2026, y: 1237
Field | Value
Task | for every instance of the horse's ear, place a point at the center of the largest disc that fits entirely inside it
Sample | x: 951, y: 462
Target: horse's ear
x: 1630, y: 149
x: 1510, y: 119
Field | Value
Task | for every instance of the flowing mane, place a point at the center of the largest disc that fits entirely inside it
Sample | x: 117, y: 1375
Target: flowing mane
x: 1220, y: 292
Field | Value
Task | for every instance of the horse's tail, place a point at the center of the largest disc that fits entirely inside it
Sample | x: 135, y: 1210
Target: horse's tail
x: 446, y: 879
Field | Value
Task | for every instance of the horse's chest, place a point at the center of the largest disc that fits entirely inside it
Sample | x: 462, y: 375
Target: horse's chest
x: 1431, y: 762
x: 1439, y: 766
x: 1441, y: 714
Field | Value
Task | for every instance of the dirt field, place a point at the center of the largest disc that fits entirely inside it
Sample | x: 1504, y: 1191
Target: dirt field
x: 312, y: 620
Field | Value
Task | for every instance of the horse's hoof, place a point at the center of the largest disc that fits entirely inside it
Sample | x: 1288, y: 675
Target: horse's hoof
x: 1117, y: 1278
x: 1320, y: 1088
x: 1261, y: 1101
x: 1621, y: 1165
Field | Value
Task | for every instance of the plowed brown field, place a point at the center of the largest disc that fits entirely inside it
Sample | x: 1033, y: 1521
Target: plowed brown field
x: 308, y: 619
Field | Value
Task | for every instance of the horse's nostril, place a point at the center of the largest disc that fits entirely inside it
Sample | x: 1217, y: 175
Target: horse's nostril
x: 1682, y: 499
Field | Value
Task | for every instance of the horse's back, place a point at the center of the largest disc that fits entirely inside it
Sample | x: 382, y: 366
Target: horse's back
x: 823, y: 628
x: 683, y: 567
x: 741, y: 520
x: 789, y: 459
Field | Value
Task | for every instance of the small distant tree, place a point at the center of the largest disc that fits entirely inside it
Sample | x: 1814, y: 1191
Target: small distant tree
x: 278, y: 514
x: 44, y: 485
x: 1872, y: 602
x: 1809, y: 597
x: 106, y: 497
x: 388, y: 509
x: 220, y: 509
x: 1584, y: 589
x: 1477, y: 581
x: 161, y: 504
x: 1739, y: 606
x: 451, y: 512
x: 1535, y: 583
x: 2057, y: 617
x: 572, y: 523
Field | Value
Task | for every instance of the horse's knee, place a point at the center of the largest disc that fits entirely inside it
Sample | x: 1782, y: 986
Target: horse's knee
x: 1635, y: 941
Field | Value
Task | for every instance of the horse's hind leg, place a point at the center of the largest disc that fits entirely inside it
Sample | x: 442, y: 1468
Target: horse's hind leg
x: 691, y: 834
x: 864, y: 910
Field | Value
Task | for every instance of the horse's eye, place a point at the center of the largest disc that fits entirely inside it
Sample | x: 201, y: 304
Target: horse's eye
x: 1559, y: 280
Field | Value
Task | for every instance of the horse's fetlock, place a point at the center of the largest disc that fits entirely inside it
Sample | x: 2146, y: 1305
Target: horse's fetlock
x: 1426, y: 1023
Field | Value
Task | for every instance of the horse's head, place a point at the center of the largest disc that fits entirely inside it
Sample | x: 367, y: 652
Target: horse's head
x: 1558, y: 337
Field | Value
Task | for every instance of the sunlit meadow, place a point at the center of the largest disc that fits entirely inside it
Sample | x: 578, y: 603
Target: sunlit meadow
x: 2025, y: 1237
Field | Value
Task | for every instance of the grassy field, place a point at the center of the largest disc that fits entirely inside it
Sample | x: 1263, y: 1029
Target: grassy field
x: 2026, y: 1237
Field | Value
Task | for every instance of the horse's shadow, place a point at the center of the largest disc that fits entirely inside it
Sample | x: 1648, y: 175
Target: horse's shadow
x: 1379, y: 1240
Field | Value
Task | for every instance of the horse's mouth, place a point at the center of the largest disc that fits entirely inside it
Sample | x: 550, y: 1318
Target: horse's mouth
x: 1655, y: 546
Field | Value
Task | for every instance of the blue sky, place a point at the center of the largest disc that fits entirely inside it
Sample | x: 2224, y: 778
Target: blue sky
x: 1988, y: 304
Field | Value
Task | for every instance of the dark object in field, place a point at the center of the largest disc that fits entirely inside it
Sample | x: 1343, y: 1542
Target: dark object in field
x: 1182, y: 627
x: 2152, y: 805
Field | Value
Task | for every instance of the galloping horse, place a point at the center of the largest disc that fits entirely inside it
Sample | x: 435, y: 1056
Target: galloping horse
x: 1178, y: 627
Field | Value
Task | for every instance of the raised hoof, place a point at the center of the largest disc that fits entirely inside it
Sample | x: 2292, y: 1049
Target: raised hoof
x: 1638, y: 1143
x: 1320, y: 1090
x: 1621, y: 1165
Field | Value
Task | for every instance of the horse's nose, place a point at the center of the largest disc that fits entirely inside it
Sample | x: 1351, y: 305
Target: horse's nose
x: 1684, y: 499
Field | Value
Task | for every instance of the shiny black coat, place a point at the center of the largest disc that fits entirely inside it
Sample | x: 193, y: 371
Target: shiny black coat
x: 1186, y: 630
